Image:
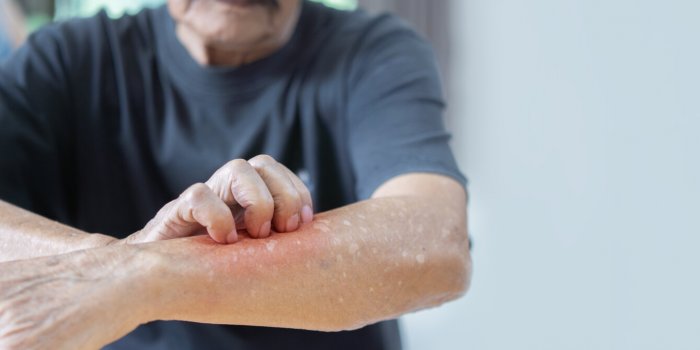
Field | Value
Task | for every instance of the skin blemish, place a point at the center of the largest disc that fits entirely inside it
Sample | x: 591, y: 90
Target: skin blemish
x: 353, y: 248
x: 445, y: 232
x: 341, y: 300
x: 361, y: 216
x: 404, y: 253
x: 270, y: 245
x: 346, y: 223
x: 420, y: 258
x: 321, y: 227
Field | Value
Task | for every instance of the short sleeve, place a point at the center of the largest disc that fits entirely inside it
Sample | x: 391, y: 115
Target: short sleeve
x: 32, y: 128
x: 395, y: 110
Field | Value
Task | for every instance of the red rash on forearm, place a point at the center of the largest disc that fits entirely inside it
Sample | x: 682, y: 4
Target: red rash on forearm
x: 356, y: 265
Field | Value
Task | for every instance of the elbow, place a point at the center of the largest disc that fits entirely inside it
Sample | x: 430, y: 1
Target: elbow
x: 449, y: 276
x: 444, y: 277
x: 457, y: 264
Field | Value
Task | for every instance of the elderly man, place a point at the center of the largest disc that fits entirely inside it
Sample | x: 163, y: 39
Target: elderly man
x: 184, y: 151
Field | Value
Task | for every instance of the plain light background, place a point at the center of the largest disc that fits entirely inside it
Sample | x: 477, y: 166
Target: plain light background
x: 578, y: 125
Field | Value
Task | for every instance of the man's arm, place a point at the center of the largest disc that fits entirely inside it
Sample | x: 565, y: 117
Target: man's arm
x: 403, y: 250
x: 25, y: 235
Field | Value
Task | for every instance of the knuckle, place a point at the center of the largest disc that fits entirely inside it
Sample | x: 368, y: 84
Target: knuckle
x: 195, y: 193
x: 262, y: 161
x: 235, y: 165
x: 264, y: 158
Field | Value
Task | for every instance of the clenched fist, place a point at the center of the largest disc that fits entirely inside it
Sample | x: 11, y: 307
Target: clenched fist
x: 257, y: 195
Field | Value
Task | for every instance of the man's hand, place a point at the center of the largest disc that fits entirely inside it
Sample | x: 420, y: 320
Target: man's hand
x: 256, y: 195
x: 80, y: 300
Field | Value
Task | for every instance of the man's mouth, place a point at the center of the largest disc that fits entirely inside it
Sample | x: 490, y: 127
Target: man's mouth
x: 265, y: 3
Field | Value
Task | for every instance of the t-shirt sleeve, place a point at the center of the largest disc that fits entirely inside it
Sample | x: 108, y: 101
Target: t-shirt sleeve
x: 33, y: 132
x: 395, y: 110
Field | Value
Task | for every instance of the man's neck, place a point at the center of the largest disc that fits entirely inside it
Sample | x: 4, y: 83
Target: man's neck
x: 207, y: 55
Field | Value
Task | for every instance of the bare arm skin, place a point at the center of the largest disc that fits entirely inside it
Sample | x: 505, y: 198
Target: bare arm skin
x: 402, y: 251
x: 353, y: 266
x: 24, y: 235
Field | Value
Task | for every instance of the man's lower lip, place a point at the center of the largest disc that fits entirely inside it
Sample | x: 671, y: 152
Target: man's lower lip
x: 237, y: 2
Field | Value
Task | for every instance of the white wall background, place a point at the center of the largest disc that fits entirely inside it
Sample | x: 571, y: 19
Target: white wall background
x: 579, y: 128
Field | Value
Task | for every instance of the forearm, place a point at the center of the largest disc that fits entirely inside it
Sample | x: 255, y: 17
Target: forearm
x: 353, y: 266
x: 26, y: 235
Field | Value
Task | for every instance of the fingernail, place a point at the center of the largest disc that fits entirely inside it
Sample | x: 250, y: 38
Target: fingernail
x: 307, y: 214
x: 264, y: 229
x: 232, y: 237
x: 292, y: 222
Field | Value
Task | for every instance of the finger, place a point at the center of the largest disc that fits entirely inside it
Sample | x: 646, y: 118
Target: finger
x: 307, y: 209
x: 198, y: 205
x: 237, y: 183
x: 287, y: 199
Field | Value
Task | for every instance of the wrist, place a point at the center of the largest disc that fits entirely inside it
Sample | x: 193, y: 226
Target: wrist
x: 131, y: 281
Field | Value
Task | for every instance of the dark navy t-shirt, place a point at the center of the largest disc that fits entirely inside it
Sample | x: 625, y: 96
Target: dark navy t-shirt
x: 104, y: 121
